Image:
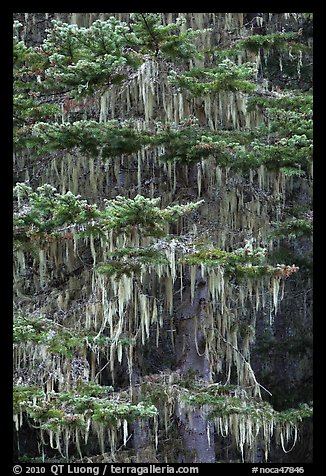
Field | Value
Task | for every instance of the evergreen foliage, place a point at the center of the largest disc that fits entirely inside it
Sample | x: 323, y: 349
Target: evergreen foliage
x: 293, y: 228
x: 226, y: 76
x: 90, y: 137
x: 74, y: 317
x: 46, y: 215
x: 243, y: 261
x: 168, y: 40
x: 278, y: 41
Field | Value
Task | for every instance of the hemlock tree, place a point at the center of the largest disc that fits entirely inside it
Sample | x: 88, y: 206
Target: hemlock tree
x: 162, y: 212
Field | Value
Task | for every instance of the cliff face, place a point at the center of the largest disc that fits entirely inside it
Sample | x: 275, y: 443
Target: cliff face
x: 270, y: 323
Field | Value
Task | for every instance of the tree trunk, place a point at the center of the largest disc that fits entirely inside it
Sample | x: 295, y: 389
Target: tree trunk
x: 197, y: 432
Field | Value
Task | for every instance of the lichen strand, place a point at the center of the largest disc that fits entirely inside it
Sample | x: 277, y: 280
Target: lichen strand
x: 68, y: 419
x: 89, y: 305
x: 250, y: 422
x: 230, y: 326
x: 114, y: 307
x: 258, y: 196
x: 119, y: 314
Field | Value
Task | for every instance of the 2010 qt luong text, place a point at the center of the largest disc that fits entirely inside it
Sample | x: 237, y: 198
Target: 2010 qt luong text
x: 58, y: 469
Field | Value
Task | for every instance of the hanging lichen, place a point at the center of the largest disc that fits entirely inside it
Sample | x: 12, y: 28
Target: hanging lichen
x: 167, y: 115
